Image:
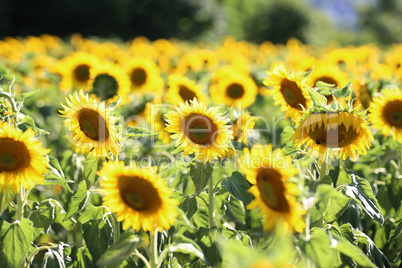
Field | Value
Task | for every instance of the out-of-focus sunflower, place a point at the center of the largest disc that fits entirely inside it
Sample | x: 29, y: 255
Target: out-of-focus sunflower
x: 75, y: 70
x: 199, y: 130
x: 386, y: 113
x: 268, y: 171
x: 344, y: 58
x: 156, y: 119
x: 92, y: 125
x: 242, y: 126
x: 234, y: 90
x: 288, y: 90
x: 363, y: 91
x: 108, y: 82
x: 345, y: 133
x: 182, y: 89
x: 138, y: 196
x: 144, y: 76
x: 22, y: 159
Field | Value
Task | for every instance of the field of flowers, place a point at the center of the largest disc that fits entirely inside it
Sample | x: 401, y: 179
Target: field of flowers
x: 167, y: 153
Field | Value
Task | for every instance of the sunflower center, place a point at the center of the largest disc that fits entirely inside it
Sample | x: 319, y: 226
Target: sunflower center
x: 139, y: 194
x: 292, y: 94
x: 333, y: 135
x: 393, y: 113
x: 138, y: 77
x: 105, y: 86
x: 235, y: 91
x: 186, y: 94
x: 93, y: 125
x: 272, y: 189
x: 14, y: 155
x: 200, y: 129
x: 81, y: 73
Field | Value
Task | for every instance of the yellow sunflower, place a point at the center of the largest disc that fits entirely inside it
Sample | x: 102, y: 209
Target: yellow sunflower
x: 288, y: 90
x: 108, y: 82
x: 182, y: 89
x: 199, y: 130
x: 345, y: 133
x: 234, y: 89
x: 138, y: 196
x: 144, y: 76
x: 268, y: 171
x: 92, y: 126
x: 386, y: 113
x: 242, y: 126
x: 22, y: 159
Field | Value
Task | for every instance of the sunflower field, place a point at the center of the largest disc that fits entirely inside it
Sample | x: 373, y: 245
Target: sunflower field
x: 169, y: 153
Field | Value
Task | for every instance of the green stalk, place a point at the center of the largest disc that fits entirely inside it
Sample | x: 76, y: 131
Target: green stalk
x: 153, y: 239
x: 20, y: 204
x: 211, y: 202
x: 400, y: 160
x: 116, y: 228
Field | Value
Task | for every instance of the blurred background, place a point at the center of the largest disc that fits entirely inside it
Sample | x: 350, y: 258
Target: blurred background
x: 318, y: 22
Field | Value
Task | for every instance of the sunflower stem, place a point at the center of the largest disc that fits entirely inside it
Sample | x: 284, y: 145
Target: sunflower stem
x: 400, y: 160
x: 116, y: 228
x: 136, y: 252
x: 20, y: 204
x: 211, y: 202
x: 153, y: 238
x: 323, y: 168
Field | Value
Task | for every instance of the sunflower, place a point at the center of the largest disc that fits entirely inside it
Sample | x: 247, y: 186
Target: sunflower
x: 182, y: 89
x: 144, y: 76
x: 346, y: 133
x: 234, y: 89
x: 242, y: 126
x: 138, y: 196
x: 288, y: 90
x: 386, y: 113
x: 92, y: 125
x: 108, y: 82
x: 268, y: 172
x: 199, y: 130
x: 22, y: 159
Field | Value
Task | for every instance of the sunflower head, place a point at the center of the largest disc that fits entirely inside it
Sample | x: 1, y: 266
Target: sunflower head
x: 144, y: 76
x: 23, y: 161
x: 199, y: 130
x: 138, y: 196
x: 92, y: 126
x: 268, y: 171
x: 386, y: 113
x: 288, y: 90
x: 182, y: 89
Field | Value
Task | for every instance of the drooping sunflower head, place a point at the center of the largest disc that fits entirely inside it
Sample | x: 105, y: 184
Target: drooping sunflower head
x: 342, y: 132
x: 22, y: 159
x: 138, y: 197
x: 92, y: 126
x: 288, y: 90
x: 268, y: 171
x: 108, y: 82
x: 144, y: 75
x: 182, y: 89
x: 242, y: 126
x: 386, y: 113
x: 233, y: 90
x: 199, y: 130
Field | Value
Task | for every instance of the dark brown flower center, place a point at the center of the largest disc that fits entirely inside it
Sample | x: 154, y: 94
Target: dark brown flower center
x: 200, y: 129
x: 138, y: 77
x: 235, y: 91
x: 105, y: 86
x: 292, y: 94
x: 93, y: 125
x: 139, y: 194
x: 272, y: 189
x: 14, y: 155
x: 392, y: 113
x: 186, y: 94
x: 81, y: 73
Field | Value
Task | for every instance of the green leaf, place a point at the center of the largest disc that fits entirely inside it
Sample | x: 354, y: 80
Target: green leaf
x: 112, y: 106
x: 287, y: 135
x: 397, y: 230
x: 27, y: 95
x: 318, y: 99
x: 337, y: 204
x: 5, y: 199
x: 42, y: 215
x: 97, y: 235
x: 82, y: 259
x: 16, y: 239
x: 235, y: 210
x: 140, y: 132
x: 57, y: 256
x: 60, y: 215
x: 119, y: 251
x: 305, y: 74
x: 238, y: 186
x: 30, y: 123
x: 189, y: 206
x: 318, y: 248
x: 207, y: 240
x: 344, y: 92
x: 360, y: 191
x: 352, y: 251
x: 187, y: 248
x: 93, y: 212
x: 372, y: 251
x: 200, y: 173
x: 78, y: 201
x: 90, y: 169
